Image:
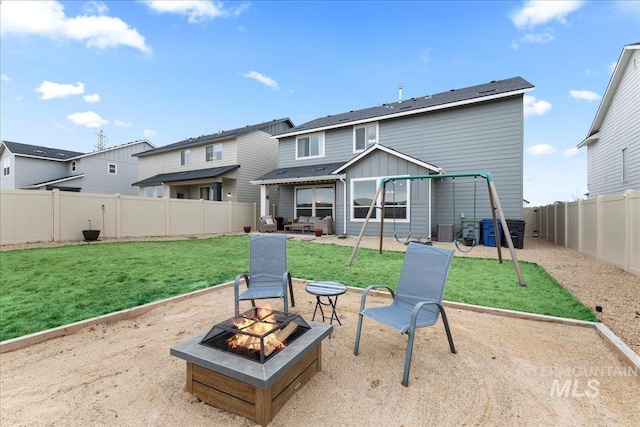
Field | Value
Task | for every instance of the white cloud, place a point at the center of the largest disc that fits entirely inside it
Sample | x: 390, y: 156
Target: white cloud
x: 50, y: 90
x: 267, y: 81
x: 149, y: 133
x: 535, y: 107
x: 611, y: 67
x: 571, y: 152
x: 91, y: 98
x: 538, y: 38
x: 122, y: 124
x: 589, y: 72
x: 88, y: 119
x: 5, y: 78
x: 196, y: 10
x: 48, y: 19
x: 95, y: 7
x: 534, y: 13
x: 541, y: 149
x: 584, y: 95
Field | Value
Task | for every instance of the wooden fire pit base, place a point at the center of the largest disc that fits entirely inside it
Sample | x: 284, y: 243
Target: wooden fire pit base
x: 259, y: 405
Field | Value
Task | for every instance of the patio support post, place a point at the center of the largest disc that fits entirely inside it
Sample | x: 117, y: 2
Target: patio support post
x: 264, y: 203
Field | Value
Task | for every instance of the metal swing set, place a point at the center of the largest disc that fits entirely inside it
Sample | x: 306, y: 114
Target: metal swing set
x: 493, y: 199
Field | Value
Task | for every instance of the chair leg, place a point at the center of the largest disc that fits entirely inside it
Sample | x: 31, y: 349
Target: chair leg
x: 293, y: 301
x: 446, y: 328
x: 407, y: 360
x: 357, y: 344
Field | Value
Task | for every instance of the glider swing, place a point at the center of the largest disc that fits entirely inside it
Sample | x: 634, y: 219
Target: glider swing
x: 493, y: 199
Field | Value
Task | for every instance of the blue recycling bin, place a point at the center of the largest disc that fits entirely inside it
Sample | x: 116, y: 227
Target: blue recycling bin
x: 488, y: 232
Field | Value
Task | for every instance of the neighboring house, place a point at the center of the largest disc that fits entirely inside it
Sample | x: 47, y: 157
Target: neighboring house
x: 613, y: 141
x: 212, y: 167
x: 331, y: 166
x: 107, y: 171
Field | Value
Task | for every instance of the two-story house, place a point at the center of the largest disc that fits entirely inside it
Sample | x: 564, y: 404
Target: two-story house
x: 107, y: 171
x: 214, y: 167
x: 613, y: 141
x: 331, y: 166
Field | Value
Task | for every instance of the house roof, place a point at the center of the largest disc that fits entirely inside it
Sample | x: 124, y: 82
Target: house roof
x: 616, y: 78
x: 57, y: 154
x: 299, y: 174
x: 215, y: 137
x: 330, y: 171
x: 186, y: 175
x: 455, y: 97
x: 380, y: 147
x: 39, y: 151
x: 53, y: 181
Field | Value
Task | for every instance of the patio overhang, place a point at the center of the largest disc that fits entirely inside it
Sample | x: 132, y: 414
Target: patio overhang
x: 52, y: 182
x: 319, y: 173
x: 193, y: 175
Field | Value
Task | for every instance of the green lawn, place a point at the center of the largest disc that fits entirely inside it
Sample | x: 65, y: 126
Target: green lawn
x: 48, y: 287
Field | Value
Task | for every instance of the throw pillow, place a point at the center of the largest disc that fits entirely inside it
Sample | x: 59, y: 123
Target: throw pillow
x: 269, y: 221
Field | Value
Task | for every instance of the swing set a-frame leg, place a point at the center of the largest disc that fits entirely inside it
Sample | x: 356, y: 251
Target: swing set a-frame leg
x: 364, y: 226
x: 495, y: 206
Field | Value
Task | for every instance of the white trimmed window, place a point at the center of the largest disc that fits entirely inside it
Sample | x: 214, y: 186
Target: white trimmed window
x: 185, y: 157
x: 157, y: 191
x: 314, y: 201
x: 397, y: 200
x: 73, y: 166
x: 310, y: 146
x: 364, y: 137
x: 6, y: 167
x: 213, y: 153
x: 112, y: 169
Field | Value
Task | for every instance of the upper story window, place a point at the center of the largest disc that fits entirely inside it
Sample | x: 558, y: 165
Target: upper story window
x: 310, y: 146
x: 112, y: 168
x: 185, y: 157
x: 6, y: 167
x: 364, y: 137
x: 73, y: 166
x: 213, y: 152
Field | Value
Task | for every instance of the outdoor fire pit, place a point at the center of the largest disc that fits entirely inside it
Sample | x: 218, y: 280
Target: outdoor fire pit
x: 251, y: 365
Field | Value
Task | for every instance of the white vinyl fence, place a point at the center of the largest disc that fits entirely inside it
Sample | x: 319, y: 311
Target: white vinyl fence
x: 45, y: 216
x: 606, y: 227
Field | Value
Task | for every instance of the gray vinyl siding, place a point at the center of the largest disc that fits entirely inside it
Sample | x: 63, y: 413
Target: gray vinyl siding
x: 620, y: 129
x: 484, y: 137
x: 7, y: 182
x: 97, y: 179
x: 30, y: 171
x: 257, y: 155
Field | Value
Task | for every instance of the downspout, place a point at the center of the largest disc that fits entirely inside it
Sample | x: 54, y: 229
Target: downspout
x: 344, y: 204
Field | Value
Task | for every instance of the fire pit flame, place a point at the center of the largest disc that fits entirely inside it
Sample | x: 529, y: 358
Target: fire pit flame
x: 256, y: 334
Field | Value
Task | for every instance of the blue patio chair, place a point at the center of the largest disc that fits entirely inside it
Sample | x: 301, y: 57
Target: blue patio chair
x: 268, y: 275
x: 417, y: 301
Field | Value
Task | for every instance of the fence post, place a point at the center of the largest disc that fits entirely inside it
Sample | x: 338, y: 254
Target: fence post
x: 230, y: 216
x: 118, y: 215
x: 599, y: 226
x: 555, y: 223
x: 255, y: 215
x: 202, y: 217
x: 167, y: 220
x: 580, y: 221
x: 627, y: 230
x: 566, y: 224
x: 56, y: 214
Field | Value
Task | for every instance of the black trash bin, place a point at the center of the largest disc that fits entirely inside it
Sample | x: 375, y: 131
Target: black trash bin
x: 280, y: 221
x: 516, y: 231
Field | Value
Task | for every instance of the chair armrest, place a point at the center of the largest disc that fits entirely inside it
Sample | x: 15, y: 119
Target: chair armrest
x: 374, y: 287
x: 416, y: 311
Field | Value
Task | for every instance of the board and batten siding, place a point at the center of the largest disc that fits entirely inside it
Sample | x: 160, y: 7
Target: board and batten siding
x: 620, y: 129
